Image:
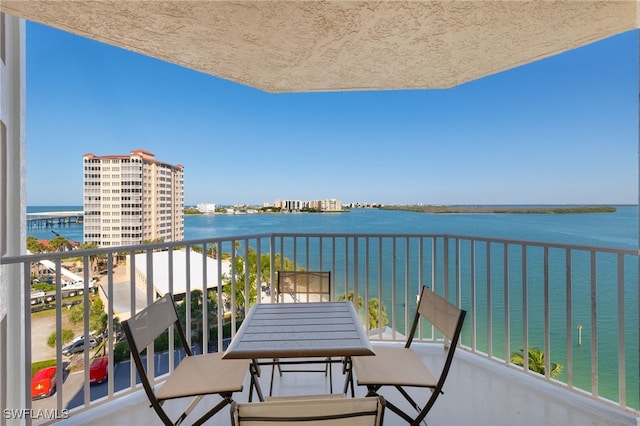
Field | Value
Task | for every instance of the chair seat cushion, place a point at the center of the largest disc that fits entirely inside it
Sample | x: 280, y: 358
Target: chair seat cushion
x: 204, y: 374
x: 392, y: 366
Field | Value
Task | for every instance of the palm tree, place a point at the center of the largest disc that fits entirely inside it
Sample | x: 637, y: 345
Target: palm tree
x: 94, y: 260
x: 196, y: 304
x: 536, y: 361
x: 374, y: 309
x: 252, y: 278
x: 34, y: 246
x: 58, y: 243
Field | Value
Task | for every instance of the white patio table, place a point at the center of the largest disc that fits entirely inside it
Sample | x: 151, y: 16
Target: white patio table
x: 299, y: 330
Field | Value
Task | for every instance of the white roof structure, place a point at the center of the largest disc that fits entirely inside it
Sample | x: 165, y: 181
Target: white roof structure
x: 161, y: 277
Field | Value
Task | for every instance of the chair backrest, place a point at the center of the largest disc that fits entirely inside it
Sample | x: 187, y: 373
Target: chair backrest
x: 142, y: 329
x: 304, y: 286
x: 150, y: 322
x: 365, y: 411
x: 448, y: 319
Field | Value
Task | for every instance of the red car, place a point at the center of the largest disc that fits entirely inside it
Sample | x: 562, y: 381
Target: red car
x: 43, y: 383
x: 98, y: 371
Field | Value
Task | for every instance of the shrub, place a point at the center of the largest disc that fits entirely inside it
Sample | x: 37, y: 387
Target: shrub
x: 121, y: 352
x: 67, y: 336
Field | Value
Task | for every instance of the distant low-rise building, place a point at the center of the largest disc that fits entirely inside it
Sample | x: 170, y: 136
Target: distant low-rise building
x: 206, y: 207
x: 326, y: 205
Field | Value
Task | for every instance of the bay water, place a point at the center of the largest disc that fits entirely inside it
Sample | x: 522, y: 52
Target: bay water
x: 619, y: 229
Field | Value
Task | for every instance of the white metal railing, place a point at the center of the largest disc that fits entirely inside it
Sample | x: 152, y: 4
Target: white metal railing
x: 576, y: 306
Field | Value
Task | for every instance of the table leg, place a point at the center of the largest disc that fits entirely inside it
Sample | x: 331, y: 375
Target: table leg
x: 254, y: 370
x: 348, y: 370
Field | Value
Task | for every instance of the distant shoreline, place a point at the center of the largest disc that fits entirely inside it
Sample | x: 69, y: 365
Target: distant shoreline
x: 512, y: 210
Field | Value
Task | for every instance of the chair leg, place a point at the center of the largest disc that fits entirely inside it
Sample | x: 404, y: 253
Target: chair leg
x: 399, y: 412
x: 226, y: 399
x: 348, y: 370
x: 190, y: 407
x: 408, y: 398
x: 273, y: 371
x: 328, y: 366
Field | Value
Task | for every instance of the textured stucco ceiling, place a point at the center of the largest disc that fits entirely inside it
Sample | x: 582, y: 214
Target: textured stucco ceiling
x: 286, y: 46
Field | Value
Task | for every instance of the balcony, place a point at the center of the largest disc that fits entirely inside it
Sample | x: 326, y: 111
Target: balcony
x: 574, y: 305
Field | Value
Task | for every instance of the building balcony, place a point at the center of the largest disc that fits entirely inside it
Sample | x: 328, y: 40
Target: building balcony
x: 574, y: 306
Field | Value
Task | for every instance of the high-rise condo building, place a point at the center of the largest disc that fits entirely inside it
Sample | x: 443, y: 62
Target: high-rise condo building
x: 130, y: 199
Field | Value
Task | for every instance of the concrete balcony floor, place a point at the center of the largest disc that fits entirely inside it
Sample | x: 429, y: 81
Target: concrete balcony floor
x: 477, y: 392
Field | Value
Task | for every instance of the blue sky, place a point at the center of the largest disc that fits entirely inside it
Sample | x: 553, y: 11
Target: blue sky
x: 563, y: 130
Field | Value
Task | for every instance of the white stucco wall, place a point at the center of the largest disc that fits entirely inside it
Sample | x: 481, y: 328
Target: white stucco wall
x: 14, y: 374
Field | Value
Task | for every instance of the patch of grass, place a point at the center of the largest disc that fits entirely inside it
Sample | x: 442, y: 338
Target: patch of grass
x: 41, y: 364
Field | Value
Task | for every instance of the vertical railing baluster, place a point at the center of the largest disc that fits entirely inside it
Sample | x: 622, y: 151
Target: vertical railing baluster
x: 393, y: 331
x: 525, y: 307
x: 458, y: 297
x: 394, y: 285
x: 356, y: 260
x: 546, y: 313
x: 108, y: 339
x: 622, y: 382
x: 569, y: 318
x: 258, y: 277
x: 594, y: 325
x: 204, y: 318
x: 434, y: 265
x: 474, y: 303
x: 295, y: 253
x: 333, y: 257
x: 407, y: 282
x: 220, y: 302
x: 366, y: 287
x: 171, y: 329
x: 132, y: 309
x: 150, y: 300
x: 507, y: 329
x: 489, y: 304
x: 445, y: 272
x: 346, y: 268
x: 28, y: 348
x: 420, y: 277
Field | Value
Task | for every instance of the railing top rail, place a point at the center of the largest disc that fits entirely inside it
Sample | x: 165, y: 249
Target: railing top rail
x: 629, y: 251
x: 213, y: 240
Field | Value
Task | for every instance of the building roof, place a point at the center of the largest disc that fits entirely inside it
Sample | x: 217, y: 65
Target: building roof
x: 161, y: 274
x: 289, y: 46
x: 146, y: 156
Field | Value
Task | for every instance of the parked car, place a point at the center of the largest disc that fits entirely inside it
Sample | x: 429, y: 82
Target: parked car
x: 43, y: 383
x: 99, y: 369
x: 78, y: 346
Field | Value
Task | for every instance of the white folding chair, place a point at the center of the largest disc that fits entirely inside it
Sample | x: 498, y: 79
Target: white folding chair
x: 303, y: 287
x: 403, y: 367
x: 195, y: 376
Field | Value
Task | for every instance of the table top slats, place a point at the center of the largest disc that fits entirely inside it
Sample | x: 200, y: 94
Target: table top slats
x: 291, y: 330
